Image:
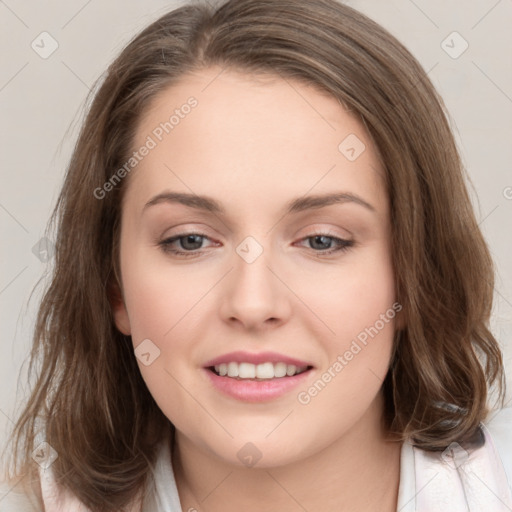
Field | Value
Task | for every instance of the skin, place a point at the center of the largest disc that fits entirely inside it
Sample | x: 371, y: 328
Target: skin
x: 254, y: 144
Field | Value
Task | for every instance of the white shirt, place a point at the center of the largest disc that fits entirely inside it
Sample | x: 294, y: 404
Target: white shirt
x: 455, y: 480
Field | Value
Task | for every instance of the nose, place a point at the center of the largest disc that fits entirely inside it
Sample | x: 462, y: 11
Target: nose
x: 254, y: 295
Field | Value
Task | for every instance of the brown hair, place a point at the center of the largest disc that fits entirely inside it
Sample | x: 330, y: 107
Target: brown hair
x: 445, y: 357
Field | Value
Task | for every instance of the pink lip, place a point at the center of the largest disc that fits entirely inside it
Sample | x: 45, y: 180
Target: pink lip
x: 249, y: 390
x: 261, y: 357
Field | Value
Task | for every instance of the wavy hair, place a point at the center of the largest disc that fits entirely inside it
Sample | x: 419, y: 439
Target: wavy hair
x: 89, y: 396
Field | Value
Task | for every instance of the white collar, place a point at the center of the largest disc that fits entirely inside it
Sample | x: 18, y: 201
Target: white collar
x: 456, y: 480
x: 472, y: 481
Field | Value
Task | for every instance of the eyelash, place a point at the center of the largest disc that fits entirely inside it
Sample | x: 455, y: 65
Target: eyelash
x: 343, y: 245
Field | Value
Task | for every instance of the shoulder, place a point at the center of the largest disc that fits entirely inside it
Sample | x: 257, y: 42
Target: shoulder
x: 499, y: 427
x: 469, y: 477
x: 20, y: 495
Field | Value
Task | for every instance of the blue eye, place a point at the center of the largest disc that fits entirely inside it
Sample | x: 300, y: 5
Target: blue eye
x: 324, y: 239
x: 192, y: 243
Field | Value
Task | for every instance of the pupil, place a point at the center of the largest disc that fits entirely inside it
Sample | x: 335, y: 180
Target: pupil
x: 193, y: 239
x: 322, y: 240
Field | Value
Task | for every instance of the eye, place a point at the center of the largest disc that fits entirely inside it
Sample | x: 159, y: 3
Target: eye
x: 190, y: 244
x: 324, y: 243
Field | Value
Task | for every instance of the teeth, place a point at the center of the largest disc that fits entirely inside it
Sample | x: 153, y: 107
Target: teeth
x: 246, y: 371
x: 279, y: 370
x: 290, y: 370
x: 257, y: 371
x: 232, y: 369
x: 264, y: 371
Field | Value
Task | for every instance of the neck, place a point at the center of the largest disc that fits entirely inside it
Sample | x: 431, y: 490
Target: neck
x: 360, y: 472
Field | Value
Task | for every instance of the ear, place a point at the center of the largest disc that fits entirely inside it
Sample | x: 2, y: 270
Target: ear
x: 119, y: 310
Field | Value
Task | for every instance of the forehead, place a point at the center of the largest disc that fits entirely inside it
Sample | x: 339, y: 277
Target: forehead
x: 254, y: 135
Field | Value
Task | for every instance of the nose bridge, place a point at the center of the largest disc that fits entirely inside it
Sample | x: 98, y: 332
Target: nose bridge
x: 254, y: 293
x: 252, y: 277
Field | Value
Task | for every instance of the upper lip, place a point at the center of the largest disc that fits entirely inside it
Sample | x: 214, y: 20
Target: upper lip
x: 259, y: 358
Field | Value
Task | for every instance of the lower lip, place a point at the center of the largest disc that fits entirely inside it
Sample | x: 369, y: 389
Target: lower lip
x: 248, y: 390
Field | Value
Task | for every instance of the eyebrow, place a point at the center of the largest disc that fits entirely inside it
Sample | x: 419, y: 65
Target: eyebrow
x: 295, y: 206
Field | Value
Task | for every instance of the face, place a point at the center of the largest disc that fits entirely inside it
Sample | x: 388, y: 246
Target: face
x: 255, y: 240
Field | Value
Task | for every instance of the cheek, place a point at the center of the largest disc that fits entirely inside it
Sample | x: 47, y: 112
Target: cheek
x: 352, y: 296
x: 158, y: 294
x: 165, y: 307
x: 357, y: 307
x: 160, y: 312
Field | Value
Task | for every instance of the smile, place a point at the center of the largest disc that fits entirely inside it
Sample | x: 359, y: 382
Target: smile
x: 263, y: 371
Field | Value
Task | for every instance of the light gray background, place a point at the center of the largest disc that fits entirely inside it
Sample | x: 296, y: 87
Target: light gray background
x: 41, y: 99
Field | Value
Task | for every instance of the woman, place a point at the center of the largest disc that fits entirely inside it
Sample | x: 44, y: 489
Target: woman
x: 280, y: 292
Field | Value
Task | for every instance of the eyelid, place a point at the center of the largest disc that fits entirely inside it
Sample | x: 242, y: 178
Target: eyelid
x: 183, y: 234
x: 312, y: 230
x: 320, y: 228
x: 343, y: 243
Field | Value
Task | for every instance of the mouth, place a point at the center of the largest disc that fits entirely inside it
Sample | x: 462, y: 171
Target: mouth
x: 263, y: 377
x: 266, y: 371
